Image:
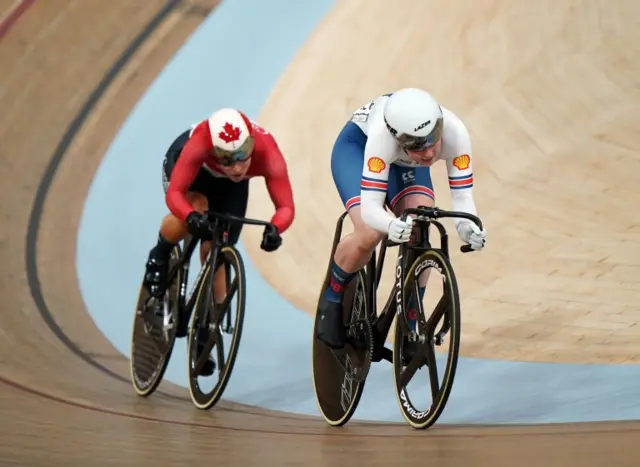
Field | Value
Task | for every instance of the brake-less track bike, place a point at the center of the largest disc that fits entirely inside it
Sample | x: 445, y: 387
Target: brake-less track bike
x: 157, y: 323
x: 339, y: 375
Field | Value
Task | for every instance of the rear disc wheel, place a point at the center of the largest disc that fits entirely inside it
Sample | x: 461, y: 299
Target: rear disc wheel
x: 339, y: 375
x: 153, y: 334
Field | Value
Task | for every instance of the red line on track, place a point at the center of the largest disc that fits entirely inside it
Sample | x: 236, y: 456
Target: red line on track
x: 14, y: 14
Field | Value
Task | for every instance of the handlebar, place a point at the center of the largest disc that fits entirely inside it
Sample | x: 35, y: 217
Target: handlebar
x: 214, y: 215
x: 437, y: 213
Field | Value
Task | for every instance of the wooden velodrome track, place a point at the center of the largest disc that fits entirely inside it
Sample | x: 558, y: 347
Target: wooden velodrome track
x: 550, y: 92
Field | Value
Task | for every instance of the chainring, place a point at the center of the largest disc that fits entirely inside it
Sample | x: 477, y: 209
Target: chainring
x: 355, y: 356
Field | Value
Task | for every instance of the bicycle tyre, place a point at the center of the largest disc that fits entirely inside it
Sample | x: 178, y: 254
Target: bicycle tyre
x: 204, y: 401
x: 141, y: 348
x: 424, y: 419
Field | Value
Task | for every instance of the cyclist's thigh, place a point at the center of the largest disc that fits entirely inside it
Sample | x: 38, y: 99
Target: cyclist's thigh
x: 405, y: 181
x: 347, y: 159
x: 200, y: 189
x: 230, y: 198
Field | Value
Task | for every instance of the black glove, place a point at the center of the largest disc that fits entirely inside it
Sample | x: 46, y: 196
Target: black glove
x: 271, y: 239
x: 198, y: 224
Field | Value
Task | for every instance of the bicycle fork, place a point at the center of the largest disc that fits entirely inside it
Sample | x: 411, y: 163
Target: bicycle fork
x: 405, y: 257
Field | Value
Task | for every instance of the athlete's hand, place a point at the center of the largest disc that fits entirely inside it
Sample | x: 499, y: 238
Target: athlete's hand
x: 198, y: 224
x: 271, y: 239
x: 471, y: 234
x: 399, y: 230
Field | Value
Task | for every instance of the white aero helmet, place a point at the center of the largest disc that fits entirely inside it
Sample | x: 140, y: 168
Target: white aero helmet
x: 414, y: 118
x: 231, y: 135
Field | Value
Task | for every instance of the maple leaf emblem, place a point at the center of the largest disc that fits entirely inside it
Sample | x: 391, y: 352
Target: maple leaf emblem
x: 230, y: 133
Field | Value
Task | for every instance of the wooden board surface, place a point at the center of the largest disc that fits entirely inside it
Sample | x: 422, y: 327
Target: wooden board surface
x: 65, y: 396
x: 549, y: 92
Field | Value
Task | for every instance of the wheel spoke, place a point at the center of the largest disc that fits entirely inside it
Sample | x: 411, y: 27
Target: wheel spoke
x: 410, y: 370
x: 221, y: 308
x: 432, y: 365
x: 206, y: 350
x: 438, y: 313
x: 230, y: 293
x: 199, y: 363
x: 220, y: 351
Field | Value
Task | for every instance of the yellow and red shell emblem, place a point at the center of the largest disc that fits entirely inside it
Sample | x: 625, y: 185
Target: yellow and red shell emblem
x: 462, y: 162
x: 376, y: 165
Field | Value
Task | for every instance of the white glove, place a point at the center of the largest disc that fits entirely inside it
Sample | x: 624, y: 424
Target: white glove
x: 400, y: 231
x: 471, y: 234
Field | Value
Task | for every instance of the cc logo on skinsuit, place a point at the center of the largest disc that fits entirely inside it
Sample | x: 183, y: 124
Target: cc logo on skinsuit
x: 408, y: 176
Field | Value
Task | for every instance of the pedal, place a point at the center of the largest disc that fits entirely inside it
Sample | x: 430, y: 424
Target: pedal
x: 357, y: 362
x: 357, y: 335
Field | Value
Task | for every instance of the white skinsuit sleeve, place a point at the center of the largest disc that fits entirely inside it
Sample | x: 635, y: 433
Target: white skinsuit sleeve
x: 374, y: 183
x: 460, y: 172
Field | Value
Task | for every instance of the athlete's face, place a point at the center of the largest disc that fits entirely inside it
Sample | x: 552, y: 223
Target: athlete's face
x: 427, y: 156
x: 236, y: 171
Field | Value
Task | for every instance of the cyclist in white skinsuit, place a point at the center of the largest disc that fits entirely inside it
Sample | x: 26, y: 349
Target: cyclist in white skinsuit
x: 382, y: 157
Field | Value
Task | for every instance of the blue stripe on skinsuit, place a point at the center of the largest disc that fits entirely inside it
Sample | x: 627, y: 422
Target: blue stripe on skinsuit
x: 347, y: 160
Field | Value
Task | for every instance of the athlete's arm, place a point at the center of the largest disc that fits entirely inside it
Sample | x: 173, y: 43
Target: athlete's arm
x: 378, y: 153
x: 460, y: 172
x: 279, y: 186
x: 185, y: 171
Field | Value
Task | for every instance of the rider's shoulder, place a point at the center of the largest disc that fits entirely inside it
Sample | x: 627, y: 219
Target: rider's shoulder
x: 259, y: 131
x: 199, y: 135
x: 199, y: 125
x: 378, y: 135
x: 455, y: 135
x: 452, y: 121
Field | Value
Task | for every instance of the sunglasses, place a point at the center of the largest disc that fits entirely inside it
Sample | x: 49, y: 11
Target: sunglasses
x: 229, y: 158
x: 419, y: 143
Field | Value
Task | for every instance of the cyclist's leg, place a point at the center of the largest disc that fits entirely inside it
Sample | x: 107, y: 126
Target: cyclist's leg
x: 172, y: 230
x: 355, y: 249
x: 411, y: 187
x: 228, y: 197
x: 231, y: 198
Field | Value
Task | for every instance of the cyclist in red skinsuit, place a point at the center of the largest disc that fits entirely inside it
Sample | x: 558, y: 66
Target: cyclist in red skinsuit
x: 266, y: 161
x: 209, y: 167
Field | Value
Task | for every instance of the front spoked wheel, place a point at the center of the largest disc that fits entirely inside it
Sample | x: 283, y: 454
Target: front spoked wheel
x: 154, y: 333
x: 216, y: 327
x: 437, y: 325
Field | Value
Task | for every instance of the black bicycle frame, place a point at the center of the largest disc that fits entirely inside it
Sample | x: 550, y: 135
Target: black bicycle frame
x: 219, y: 232
x: 425, y: 216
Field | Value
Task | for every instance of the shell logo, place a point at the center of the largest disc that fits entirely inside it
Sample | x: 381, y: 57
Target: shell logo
x: 376, y: 165
x: 462, y: 162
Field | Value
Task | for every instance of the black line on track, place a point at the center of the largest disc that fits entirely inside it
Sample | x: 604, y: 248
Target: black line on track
x: 33, y: 229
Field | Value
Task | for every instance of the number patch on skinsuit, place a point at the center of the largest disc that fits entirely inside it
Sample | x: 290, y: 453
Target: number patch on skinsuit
x: 362, y: 114
x: 258, y: 129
